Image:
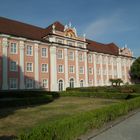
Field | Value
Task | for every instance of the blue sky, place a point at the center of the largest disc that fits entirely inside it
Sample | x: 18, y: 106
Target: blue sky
x: 104, y: 21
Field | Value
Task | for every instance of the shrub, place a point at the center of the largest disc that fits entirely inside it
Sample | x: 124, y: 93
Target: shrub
x: 96, y: 95
x: 71, y: 127
x: 28, y: 101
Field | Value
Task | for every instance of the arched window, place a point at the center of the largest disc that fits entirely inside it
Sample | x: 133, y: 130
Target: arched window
x: 71, y: 83
x: 81, y: 83
x: 60, y: 85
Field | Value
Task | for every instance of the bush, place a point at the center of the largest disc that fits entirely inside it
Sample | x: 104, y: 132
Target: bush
x: 71, y: 127
x: 96, y: 95
x: 28, y: 101
x: 109, y: 89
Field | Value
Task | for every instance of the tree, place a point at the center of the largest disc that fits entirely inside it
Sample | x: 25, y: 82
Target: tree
x: 135, y: 70
x: 117, y: 82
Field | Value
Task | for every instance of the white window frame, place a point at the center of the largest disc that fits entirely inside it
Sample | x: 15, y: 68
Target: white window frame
x: 60, y: 68
x: 46, y: 52
x: 29, y: 52
x: 81, y: 70
x: 98, y: 71
x: 60, y: 56
x: 27, y: 67
x: 45, y: 83
x: 13, y: 80
x: 80, y: 45
x: 81, y: 57
x: 90, y: 82
x: 44, y: 68
x: 90, y: 58
x: 90, y: 71
x: 70, y: 43
x: 13, y: 49
x: 71, y: 69
x: 15, y: 67
x: 71, y: 55
x: 29, y: 82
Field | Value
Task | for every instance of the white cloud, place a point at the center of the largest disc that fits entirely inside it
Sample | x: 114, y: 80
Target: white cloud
x: 109, y: 25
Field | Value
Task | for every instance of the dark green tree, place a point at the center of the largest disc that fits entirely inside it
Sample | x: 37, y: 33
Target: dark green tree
x: 135, y: 70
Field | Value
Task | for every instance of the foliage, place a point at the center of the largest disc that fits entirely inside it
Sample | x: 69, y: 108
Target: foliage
x: 71, y: 127
x: 117, y: 81
x: 28, y: 101
x: 96, y: 95
x: 135, y: 70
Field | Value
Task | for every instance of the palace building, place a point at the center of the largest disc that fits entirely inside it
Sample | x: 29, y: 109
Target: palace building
x: 56, y: 57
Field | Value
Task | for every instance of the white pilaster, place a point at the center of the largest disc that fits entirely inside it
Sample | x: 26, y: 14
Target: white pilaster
x: 86, y: 69
x: 53, y: 71
x: 119, y: 72
x: 66, y: 68
x: 112, y: 63
x: 125, y: 71
x: 95, y: 70
x: 77, y: 69
x: 4, y: 64
x: 107, y: 72
x: 36, y: 66
x: 21, y: 46
x: 101, y: 65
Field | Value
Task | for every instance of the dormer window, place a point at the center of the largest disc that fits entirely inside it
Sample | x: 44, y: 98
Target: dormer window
x: 71, y: 43
x: 80, y: 45
x: 61, y: 41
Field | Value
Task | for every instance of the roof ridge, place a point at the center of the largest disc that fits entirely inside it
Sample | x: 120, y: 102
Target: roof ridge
x: 20, y: 22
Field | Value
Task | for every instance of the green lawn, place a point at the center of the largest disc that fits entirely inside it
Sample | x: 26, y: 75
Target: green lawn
x: 14, y: 120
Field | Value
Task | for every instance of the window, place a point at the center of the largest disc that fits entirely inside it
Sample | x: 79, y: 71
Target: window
x: 97, y: 59
x: 71, y: 55
x: 44, y: 52
x: 13, y: 83
x: 98, y: 71
x: 71, y: 83
x: 81, y: 45
x: 90, y: 82
x: 104, y: 60
x: 60, y: 69
x: 104, y: 72
x: 80, y: 57
x: 90, y: 70
x: 44, y: 68
x: 109, y: 60
x: 90, y: 58
x: 60, y: 54
x: 81, y: 70
x: 60, y: 85
x: 45, y: 83
x: 60, y: 41
x: 13, y: 48
x: 81, y: 83
x: 29, y: 67
x: 70, y: 43
x: 13, y: 66
x: 29, y: 83
x: 71, y: 69
x: 29, y: 50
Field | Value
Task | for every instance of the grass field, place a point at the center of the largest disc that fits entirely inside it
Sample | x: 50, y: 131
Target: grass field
x: 14, y: 120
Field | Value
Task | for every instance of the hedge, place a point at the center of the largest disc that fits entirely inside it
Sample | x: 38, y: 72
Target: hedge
x: 96, y: 95
x: 16, y: 102
x: 71, y: 127
x: 109, y: 89
x: 25, y: 93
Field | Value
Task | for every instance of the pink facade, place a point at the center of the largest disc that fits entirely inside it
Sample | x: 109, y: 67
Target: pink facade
x: 59, y: 59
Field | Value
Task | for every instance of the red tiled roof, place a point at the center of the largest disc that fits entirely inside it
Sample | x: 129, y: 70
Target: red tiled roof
x: 20, y: 29
x: 16, y: 28
x: 102, y: 48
